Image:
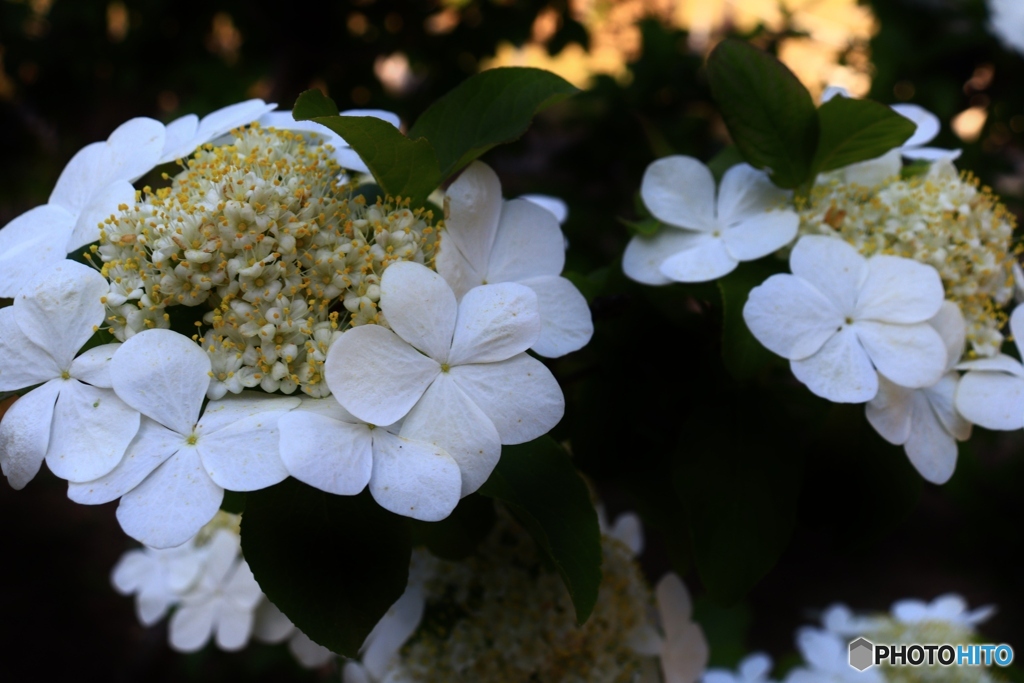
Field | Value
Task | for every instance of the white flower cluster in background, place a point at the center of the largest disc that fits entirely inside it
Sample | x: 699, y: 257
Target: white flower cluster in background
x: 1006, y: 21
x: 500, y: 615
x: 207, y: 586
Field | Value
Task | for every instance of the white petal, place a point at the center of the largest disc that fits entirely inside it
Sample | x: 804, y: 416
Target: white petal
x: 644, y: 255
x: 674, y: 605
x: 910, y: 611
x: 942, y: 397
x: 375, y: 375
x: 348, y: 158
x: 747, y: 193
x: 761, y: 234
x: 472, y: 212
x: 217, y: 123
x: 998, y: 363
x: 25, y: 434
x: 520, y: 396
x: 24, y: 363
x: 234, y: 626
x: 381, y: 114
x: 163, y: 375
x: 354, y: 672
x: 528, y: 243
x: 180, y: 135
x: 790, y: 317
x: 227, y: 412
x: 891, y: 411
x: 931, y: 449
x: 32, y: 241
x: 565, y: 321
x: 447, y: 418
x: 241, y: 587
x: 628, y: 530
x: 949, y: 323
x: 309, y: 654
x: 172, y: 504
x: 394, y: 628
x: 420, y: 307
x: 992, y: 400
x: 101, y: 205
x: 756, y: 666
x: 680, y: 191
x: 153, y: 445
x: 459, y: 273
x: 60, y: 309
x: 706, y: 259
x: 93, y: 366
x: 272, y: 626
x: 831, y: 266
x: 495, y: 322
x: 414, y: 478
x: 131, y: 151
x: 684, y: 657
x: 932, y: 154
x: 927, y: 123
x: 558, y: 208
x: 910, y: 355
x: 91, y: 431
x: 332, y: 456
x: 191, y: 626
x: 840, y: 371
x: 1017, y: 326
x: 874, y: 171
x: 899, y: 290
x: 131, y: 572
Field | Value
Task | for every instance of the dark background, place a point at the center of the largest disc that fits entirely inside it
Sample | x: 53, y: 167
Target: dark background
x: 856, y: 523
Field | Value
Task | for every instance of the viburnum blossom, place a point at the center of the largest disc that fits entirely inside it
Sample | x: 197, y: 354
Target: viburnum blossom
x: 157, y: 578
x: 171, y: 480
x: 488, y: 240
x: 991, y: 394
x: 842, y: 320
x: 457, y: 372
x: 72, y: 420
x: 704, y: 239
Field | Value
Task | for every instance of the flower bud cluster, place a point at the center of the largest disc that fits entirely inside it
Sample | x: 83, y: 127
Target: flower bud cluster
x: 273, y: 249
x: 942, y: 219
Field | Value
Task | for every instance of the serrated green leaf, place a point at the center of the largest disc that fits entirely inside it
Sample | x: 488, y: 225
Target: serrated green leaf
x: 486, y: 110
x: 769, y: 113
x: 539, y: 484
x: 332, y: 564
x: 857, y: 130
x: 744, y: 356
x: 403, y: 167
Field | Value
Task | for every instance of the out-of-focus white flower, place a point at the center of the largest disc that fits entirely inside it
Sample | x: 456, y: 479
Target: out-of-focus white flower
x: 826, y: 660
x: 272, y: 626
x: 991, y: 394
x: 158, y: 578
x: 73, y: 421
x: 488, y: 241
x: 950, y: 609
x: 925, y: 421
x: 1006, y: 21
x: 456, y: 372
x: 171, y: 480
x: 684, y: 651
x: 753, y: 669
x: 703, y: 240
x: 840, y: 317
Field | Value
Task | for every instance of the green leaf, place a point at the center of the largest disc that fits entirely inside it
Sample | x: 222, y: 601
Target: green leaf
x: 403, y: 167
x: 458, y: 535
x: 743, y: 355
x: 646, y: 227
x: 486, y: 110
x: 333, y: 564
x: 723, y: 161
x: 769, y: 113
x: 857, y: 130
x: 539, y: 484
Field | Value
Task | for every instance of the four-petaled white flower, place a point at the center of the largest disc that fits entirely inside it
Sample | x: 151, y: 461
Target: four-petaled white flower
x: 753, y: 669
x: 222, y: 602
x: 827, y: 659
x: 456, y: 372
x: 840, y: 316
x: 703, y: 240
x: 991, y: 394
x: 172, y: 478
x: 325, y: 446
x: 925, y: 421
x: 157, y: 577
x: 488, y: 240
x: 73, y: 421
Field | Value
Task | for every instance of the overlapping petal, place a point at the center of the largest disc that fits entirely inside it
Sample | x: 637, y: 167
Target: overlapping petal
x: 644, y: 256
x: 680, y: 191
x: 899, y: 290
x: 840, y: 371
x: 528, y: 243
x: 495, y: 322
x: 993, y: 400
x: 33, y: 240
x: 565, y: 321
x: 330, y: 454
x: 414, y: 478
x: 746, y: 193
x: 706, y: 258
x: 832, y: 267
x: 910, y: 355
x: 24, y: 364
x: 25, y: 434
x: 420, y: 307
x: 473, y: 210
x: 90, y: 432
x: 760, y: 234
x: 790, y: 317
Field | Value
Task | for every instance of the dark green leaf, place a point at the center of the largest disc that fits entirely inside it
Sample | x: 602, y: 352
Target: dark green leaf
x: 403, y: 167
x: 769, y: 113
x: 539, y: 484
x: 485, y: 110
x: 458, y: 535
x: 234, y: 502
x: 915, y: 168
x: 333, y: 564
x: 742, y: 354
x: 857, y: 130
x: 646, y: 227
x: 723, y: 161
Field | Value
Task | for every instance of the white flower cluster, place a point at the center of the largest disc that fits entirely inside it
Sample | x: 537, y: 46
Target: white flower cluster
x: 500, y: 615
x: 210, y: 589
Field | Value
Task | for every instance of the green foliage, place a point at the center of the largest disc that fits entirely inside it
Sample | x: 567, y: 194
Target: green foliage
x: 539, y: 484
x: 857, y: 130
x: 646, y: 227
x: 743, y: 355
x: 333, y: 564
x: 488, y: 109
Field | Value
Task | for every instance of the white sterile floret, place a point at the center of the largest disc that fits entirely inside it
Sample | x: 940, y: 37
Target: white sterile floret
x: 684, y: 650
x: 171, y: 480
x: 456, y: 372
x: 73, y: 420
x: 840, y: 317
x: 488, y: 240
x: 704, y: 239
x: 1006, y: 21
x: 925, y: 421
x: 222, y: 602
x: 272, y: 627
x: 325, y: 446
x: 826, y: 660
x: 991, y: 394
x: 753, y: 669
x: 158, y: 578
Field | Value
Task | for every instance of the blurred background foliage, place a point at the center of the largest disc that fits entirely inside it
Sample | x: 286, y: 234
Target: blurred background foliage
x: 772, y: 503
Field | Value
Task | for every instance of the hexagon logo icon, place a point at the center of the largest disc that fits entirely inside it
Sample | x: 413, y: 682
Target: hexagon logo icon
x: 862, y: 654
